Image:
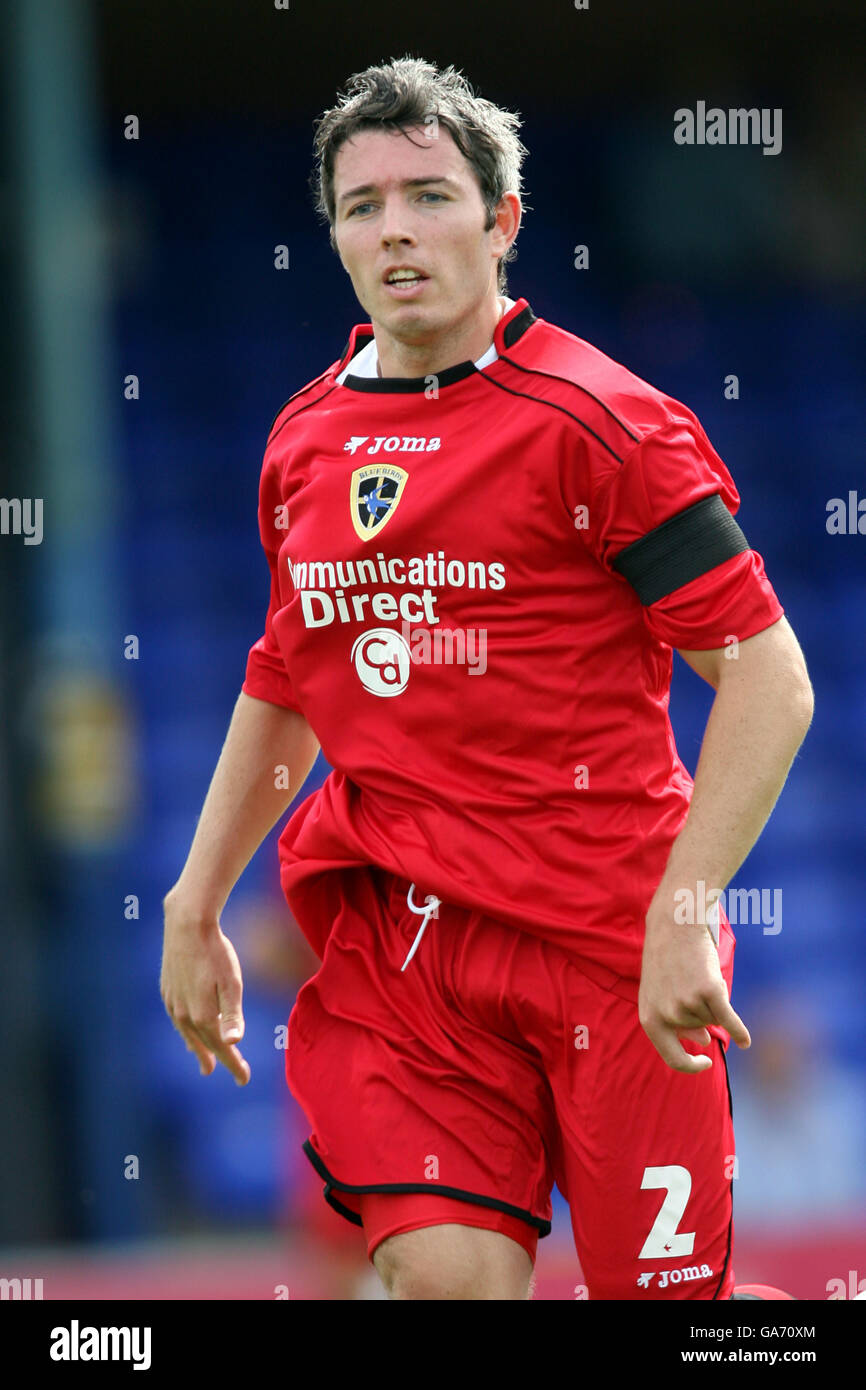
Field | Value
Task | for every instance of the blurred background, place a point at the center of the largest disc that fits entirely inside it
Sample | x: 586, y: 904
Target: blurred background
x: 153, y: 156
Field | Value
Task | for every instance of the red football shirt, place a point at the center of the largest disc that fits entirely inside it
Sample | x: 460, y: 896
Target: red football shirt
x: 477, y: 580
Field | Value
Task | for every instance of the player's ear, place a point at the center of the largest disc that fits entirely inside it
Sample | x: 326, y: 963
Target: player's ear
x: 509, y: 214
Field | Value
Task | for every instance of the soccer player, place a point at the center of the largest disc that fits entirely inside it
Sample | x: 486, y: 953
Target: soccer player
x: 485, y: 539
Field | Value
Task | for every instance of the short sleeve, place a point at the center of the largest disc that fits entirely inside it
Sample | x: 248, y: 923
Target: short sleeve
x: 662, y: 519
x: 266, y: 675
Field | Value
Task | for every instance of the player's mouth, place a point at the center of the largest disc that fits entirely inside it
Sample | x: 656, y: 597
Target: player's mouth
x: 404, y: 282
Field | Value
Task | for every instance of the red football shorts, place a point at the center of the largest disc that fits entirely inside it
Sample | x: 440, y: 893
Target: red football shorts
x: 461, y: 1088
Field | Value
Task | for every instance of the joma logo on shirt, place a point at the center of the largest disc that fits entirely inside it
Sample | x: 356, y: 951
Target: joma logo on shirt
x: 675, y: 1276
x: 393, y: 444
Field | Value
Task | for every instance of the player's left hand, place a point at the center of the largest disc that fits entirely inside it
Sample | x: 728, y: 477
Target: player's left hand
x: 682, y: 989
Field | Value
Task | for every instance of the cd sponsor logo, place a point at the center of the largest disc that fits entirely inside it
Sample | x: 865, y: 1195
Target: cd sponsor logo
x: 382, y: 660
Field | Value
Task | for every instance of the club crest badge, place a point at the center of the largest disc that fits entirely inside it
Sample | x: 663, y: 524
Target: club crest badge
x: 374, y: 497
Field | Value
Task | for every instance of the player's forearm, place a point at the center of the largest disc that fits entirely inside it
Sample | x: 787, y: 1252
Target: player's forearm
x: 246, y: 797
x: 757, y: 723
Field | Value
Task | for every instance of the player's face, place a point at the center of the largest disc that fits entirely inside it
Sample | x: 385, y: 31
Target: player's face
x: 434, y: 223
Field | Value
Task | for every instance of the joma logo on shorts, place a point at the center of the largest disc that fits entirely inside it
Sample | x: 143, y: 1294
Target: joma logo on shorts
x: 675, y: 1276
x: 393, y: 444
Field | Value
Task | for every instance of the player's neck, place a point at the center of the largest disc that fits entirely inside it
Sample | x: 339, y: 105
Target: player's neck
x: 422, y: 370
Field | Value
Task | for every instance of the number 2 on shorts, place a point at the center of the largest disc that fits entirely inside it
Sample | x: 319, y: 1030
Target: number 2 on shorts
x: 663, y: 1240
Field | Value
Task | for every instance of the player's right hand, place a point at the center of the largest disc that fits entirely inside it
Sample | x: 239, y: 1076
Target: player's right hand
x: 682, y: 990
x: 202, y: 989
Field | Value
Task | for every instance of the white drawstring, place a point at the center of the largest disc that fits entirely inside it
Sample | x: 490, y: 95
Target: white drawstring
x: 431, y: 909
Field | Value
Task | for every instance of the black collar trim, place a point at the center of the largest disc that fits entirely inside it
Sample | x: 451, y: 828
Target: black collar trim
x: 405, y: 384
x: 508, y: 330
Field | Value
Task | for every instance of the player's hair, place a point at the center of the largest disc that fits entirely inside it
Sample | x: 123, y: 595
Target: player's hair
x: 409, y: 92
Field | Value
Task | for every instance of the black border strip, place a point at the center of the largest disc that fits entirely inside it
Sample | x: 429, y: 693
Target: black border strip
x: 731, y: 1220
x: 550, y: 405
x: 543, y: 1227
x: 308, y: 405
x: 566, y: 381
x: 516, y: 327
x: 681, y: 549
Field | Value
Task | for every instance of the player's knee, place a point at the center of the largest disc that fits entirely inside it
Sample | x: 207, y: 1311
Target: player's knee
x: 453, y: 1262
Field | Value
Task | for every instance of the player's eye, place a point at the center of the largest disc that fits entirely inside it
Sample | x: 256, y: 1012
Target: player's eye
x: 360, y: 206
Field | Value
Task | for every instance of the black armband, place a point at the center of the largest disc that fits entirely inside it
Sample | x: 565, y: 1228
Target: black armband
x: 680, y: 549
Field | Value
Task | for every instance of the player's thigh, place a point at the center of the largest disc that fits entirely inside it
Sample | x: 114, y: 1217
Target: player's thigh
x: 646, y: 1163
x: 407, y: 1089
x: 453, y: 1261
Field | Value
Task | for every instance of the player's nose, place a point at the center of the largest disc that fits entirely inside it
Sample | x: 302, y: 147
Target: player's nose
x: 396, y: 223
